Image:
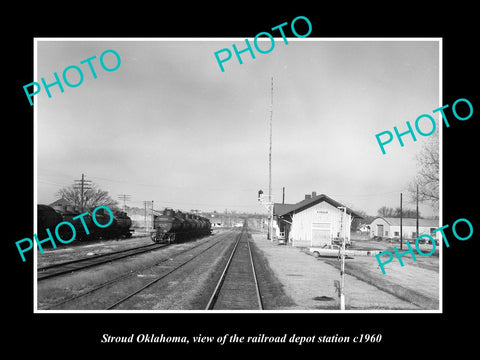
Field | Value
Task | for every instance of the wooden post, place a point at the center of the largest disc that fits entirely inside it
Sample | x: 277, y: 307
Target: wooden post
x: 342, y: 265
x: 417, y: 214
x: 152, y: 216
x: 81, y: 194
x: 401, y: 223
x: 146, y: 226
x: 270, y: 210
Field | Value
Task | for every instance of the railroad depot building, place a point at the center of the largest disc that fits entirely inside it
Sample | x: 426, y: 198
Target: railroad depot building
x: 315, y: 221
x: 387, y: 227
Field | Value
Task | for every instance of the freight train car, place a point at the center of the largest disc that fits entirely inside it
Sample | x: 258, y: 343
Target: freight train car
x: 176, y: 226
x: 49, y: 217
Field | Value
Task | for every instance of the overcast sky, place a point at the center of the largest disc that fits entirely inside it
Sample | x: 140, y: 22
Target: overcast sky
x: 169, y: 126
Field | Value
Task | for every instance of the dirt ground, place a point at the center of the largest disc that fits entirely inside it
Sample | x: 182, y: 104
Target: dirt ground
x: 176, y: 293
x: 292, y: 278
x: 418, y: 280
x: 187, y: 288
x: 310, y: 281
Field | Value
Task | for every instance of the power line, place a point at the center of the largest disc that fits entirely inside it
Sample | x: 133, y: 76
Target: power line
x: 371, y: 194
x: 215, y: 189
x: 51, y: 182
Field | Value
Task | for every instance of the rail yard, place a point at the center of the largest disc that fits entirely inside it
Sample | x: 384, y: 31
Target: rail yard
x: 215, y: 272
x: 228, y: 269
x: 186, y: 263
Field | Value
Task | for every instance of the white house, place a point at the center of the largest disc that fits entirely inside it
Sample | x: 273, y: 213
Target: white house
x: 364, y: 228
x: 390, y: 227
x: 315, y: 221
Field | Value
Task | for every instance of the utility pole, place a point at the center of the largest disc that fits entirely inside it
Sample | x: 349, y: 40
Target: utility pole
x: 342, y: 255
x: 82, y: 185
x: 145, y: 203
x: 124, y: 197
x: 417, y: 212
x: 283, y: 195
x: 145, y: 217
x: 153, y: 219
x: 401, y: 221
x: 270, y: 212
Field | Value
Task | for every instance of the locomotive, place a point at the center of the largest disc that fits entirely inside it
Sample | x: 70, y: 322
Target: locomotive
x: 175, y: 226
x: 49, y: 217
x: 118, y: 228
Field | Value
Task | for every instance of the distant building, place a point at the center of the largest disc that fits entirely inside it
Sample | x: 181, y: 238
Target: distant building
x: 364, y: 228
x: 140, y: 218
x: 314, y: 221
x: 390, y: 227
x: 61, y: 203
x: 64, y: 206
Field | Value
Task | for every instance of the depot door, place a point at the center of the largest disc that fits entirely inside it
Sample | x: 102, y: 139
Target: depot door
x: 321, y: 234
x: 379, y: 230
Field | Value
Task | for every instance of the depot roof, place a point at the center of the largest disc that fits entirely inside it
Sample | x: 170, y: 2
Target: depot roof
x: 284, y: 209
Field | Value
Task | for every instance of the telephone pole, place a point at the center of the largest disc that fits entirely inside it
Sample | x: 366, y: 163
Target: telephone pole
x: 145, y: 203
x: 401, y: 223
x: 82, y: 185
x: 417, y: 213
x: 153, y: 218
x: 342, y: 258
x: 124, y: 197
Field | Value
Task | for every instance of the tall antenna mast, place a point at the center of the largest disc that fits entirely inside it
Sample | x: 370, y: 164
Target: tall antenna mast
x: 270, y: 215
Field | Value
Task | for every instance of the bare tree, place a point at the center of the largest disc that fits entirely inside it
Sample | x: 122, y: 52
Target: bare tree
x: 428, y: 175
x: 407, y: 213
x: 386, y: 211
x: 366, y: 219
x: 92, y: 197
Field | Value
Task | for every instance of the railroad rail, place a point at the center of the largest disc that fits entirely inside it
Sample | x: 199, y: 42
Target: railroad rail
x: 112, y: 282
x: 85, y: 263
x: 237, y: 288
x: 163, y: 275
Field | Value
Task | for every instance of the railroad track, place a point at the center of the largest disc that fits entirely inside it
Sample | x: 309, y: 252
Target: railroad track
x: 144, y: 285
x: 85, y: 263
x: 164, y: 275
x: 237, y: 288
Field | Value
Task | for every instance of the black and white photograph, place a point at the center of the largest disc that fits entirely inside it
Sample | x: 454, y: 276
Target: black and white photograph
x: 259, y: 188
x: 225, y: 180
